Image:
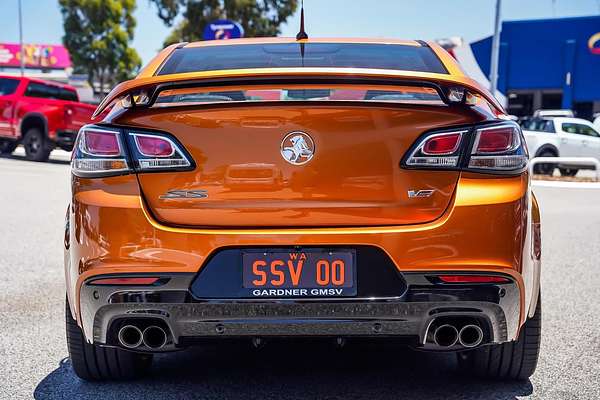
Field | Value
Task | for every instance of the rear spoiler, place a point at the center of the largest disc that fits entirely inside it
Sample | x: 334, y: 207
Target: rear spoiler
x: 147, y: 88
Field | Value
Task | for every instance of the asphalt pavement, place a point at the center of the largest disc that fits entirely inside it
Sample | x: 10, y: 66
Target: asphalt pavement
x: 33, y: 355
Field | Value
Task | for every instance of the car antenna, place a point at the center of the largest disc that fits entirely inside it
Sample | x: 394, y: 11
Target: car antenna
x: 302, y: 34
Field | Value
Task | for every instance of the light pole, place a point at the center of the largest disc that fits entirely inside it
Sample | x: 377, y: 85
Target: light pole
x: 495, y: 50
x: 21, y: 40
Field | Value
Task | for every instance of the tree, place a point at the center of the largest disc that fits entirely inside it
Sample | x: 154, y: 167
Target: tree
x: 258, y: 17
x: 97, y: 35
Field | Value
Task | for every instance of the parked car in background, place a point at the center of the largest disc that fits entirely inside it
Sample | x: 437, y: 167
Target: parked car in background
x: 40, y: 115
x: 561, y: 137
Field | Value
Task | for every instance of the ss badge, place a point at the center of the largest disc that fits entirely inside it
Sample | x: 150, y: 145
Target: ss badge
x: 185, y: 194
x: 420, y: 193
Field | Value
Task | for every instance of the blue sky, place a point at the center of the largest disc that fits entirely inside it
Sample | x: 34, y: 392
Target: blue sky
x: 408, y: 19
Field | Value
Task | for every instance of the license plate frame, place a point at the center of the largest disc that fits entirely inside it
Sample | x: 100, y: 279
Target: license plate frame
x: 299, y: 281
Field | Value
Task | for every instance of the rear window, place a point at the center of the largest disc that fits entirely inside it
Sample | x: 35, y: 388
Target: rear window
x: 398, y: 94
x: 8, y: 86
x: 35, y: 89
x: 282, y: 55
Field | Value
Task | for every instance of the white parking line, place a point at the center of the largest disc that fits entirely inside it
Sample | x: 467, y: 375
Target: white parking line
x: 56, y: 154
x: 572, y: 185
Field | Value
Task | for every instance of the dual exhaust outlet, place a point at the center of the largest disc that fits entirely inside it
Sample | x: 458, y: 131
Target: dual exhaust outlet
x: 448, y: 335
x: 153, y: 337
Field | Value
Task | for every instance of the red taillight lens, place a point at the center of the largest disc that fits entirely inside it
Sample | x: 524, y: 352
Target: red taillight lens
x: 473, y: 279
x: 495, y: 140
x: 442, y: 144
x: 101, y: 143
x: 126, y: 281
x: 437, y: 150
x: 68, y: 111
x: 156, y: 152
x: 153, y: 146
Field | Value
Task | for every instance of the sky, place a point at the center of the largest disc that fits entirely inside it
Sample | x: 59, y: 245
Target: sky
x: 406, y: 19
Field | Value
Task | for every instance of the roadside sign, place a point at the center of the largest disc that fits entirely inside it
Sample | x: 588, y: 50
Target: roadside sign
x: 45, y: 56
x: 223, y: 29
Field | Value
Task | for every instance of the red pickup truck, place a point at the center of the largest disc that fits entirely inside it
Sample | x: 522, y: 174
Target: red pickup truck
x: 40, y: 115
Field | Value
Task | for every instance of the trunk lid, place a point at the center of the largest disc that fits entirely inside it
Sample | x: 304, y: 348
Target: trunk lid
x: 353, y: 178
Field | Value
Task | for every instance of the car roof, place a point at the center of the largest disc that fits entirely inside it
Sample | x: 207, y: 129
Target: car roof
x: 268, y: 40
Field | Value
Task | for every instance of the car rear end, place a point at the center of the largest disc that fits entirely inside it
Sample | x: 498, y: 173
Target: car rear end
x: 333, y: 189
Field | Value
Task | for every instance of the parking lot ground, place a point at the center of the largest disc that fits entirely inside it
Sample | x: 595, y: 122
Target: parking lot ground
x: 33, y: 356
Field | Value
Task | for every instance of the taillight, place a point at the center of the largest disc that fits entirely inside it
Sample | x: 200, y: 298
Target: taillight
x: 496, y: 148
x: 437, y: 150
x: 68, y: 114
x: 98, y: 152
x: 153, y: 151
x: 499, y: 148
x: 106, y: 151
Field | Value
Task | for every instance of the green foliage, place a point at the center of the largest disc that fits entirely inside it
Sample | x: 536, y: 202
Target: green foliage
x: 97, y: 35
x: 258, y: 17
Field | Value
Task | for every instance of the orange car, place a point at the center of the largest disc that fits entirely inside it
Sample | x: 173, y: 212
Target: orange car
x: 330, y: 188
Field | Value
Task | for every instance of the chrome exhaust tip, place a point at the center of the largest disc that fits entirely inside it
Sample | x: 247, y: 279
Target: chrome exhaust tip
x: 130, y: 336
x: 154, y: 337
x: 470, y: 336
x: 445, y: 335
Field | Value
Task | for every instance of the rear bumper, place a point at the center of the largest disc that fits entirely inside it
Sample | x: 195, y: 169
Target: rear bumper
x: 496, y: 307
x: 486, y: 230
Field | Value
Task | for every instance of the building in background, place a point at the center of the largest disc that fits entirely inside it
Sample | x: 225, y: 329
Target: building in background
x: 44, y: 61
x: 463, y: 53
x: 547, y: 64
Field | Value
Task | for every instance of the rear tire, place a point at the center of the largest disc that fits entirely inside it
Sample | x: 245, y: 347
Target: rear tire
x: 507, y: 361
x: 568, y: 171
x: 96, y: 363
x: 545, y: 169
x: 8, y: 146
x: 37, y: 146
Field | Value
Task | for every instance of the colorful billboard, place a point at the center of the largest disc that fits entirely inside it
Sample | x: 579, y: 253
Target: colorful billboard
x: 36, y: 56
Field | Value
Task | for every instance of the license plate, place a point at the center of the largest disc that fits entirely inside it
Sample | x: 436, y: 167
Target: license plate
x: 299, y: 273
